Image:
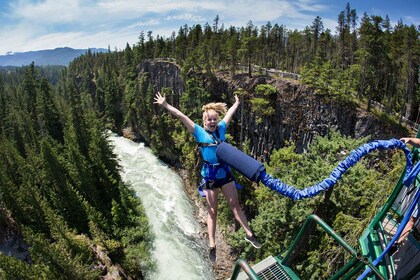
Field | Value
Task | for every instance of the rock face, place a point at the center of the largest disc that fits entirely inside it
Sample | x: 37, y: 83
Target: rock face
x: 163, y: 74
x: 14, y: 246
x: 11, y: 242
x: 299, y: 114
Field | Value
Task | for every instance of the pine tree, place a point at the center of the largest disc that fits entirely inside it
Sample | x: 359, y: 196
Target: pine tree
x: 49, y: 121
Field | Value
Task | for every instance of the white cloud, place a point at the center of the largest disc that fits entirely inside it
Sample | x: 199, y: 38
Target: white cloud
x: 310, y: 5
x: 415, y: 20
x: 83, y: 40
x: 50, y: 11
x: 187, y: 17
x: 139, y: 8
x: 37, y: 24
x: 150, y: 22
x: 54, y: 40
x: 330, y: 24
x: 15, y: 39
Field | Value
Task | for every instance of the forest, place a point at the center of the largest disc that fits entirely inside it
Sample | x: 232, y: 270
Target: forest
x: 60, y: 190
x: 60, y: 187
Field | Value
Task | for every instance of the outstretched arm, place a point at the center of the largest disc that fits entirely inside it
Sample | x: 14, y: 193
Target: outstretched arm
x: 231, y: 111
x: 411, y: 140
x: 161, y: 100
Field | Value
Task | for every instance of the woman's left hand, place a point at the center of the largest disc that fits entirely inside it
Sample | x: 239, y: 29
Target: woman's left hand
x: 159, y: 99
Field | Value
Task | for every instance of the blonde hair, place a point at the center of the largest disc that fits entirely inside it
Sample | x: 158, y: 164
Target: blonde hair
x: 219, y: 107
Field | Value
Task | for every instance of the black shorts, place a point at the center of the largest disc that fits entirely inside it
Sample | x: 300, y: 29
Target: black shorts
x: 218, y: 183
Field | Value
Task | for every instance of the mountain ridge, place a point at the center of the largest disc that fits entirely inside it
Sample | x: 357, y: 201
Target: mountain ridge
x: 58, y: 56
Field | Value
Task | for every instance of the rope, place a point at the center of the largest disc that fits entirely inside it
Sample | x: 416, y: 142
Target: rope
x: 297, y: 194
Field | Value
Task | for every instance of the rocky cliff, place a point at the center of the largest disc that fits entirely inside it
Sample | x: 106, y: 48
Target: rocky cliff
x: 299, y: 114
x: 163, y: 74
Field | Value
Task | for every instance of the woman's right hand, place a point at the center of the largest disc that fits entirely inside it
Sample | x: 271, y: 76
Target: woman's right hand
x: 237, y: 99
x: 159, y: 99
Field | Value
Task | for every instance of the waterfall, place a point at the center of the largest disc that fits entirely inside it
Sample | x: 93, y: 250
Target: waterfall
x: 178, y: 251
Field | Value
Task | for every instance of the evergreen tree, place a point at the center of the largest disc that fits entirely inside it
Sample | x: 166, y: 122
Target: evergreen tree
x: 49, y: 121
x: 249, y: 45
x: 232, y: 49
x: 317, y: 29
x: 30, y: 86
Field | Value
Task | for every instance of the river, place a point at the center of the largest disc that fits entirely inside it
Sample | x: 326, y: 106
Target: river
x: 178, y: 251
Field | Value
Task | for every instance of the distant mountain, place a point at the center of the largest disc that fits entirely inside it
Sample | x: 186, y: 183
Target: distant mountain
x: 58, y: 56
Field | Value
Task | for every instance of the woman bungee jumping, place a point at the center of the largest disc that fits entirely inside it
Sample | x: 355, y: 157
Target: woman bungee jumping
x: 216, y: 175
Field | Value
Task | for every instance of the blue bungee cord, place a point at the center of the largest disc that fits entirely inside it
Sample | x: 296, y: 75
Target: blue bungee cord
x: 297, y: 194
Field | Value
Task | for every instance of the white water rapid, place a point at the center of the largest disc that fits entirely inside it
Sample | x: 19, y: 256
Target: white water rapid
x: 177, y: 249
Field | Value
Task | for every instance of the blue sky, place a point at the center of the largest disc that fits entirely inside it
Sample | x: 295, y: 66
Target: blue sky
x: 27, y: 25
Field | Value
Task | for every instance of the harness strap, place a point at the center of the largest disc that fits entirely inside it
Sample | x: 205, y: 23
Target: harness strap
x: 203, y: 144
x: 213, y: 169
x: 216, y: 139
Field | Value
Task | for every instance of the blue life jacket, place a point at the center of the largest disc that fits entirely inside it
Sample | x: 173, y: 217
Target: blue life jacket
x: 213, y: 168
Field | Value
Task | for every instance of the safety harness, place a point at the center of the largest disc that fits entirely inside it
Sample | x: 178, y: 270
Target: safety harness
x: 213, y: 168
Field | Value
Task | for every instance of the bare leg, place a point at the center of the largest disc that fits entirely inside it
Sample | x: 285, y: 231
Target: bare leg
x: 212, y: 202
x: 231, y: 195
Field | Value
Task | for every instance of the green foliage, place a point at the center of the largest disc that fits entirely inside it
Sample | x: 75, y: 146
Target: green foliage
x: 262, y: 108
x: 61, y: 184
x: 12, y: 268
x: 61, y: 263
x: 262, y: 104
x: 265, y: 90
